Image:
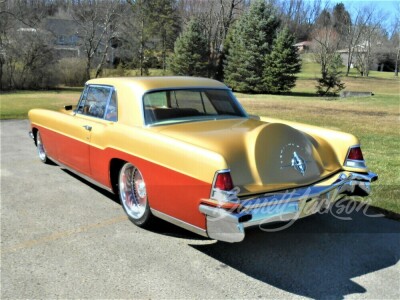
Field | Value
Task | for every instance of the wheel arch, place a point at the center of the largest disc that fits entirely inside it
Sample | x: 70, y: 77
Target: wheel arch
x: 115, y: 166
x: 34, y: 132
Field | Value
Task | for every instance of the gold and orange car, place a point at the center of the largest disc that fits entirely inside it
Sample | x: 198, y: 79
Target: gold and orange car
x: 183, y: 149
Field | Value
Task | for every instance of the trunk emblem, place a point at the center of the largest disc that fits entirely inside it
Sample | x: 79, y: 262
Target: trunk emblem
x: 298, y: 163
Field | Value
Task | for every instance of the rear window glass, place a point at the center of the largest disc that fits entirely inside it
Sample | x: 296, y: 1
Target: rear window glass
x: 187, y: 105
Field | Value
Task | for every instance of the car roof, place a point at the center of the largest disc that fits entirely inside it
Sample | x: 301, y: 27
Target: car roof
x: 144, y: 84
x: 130, y: 91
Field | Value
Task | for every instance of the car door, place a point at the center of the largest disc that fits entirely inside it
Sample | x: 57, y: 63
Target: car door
x: 102, y: 135
x: 76, y: 147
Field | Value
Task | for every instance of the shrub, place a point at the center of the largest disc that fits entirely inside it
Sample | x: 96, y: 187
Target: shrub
x: 71, y: 71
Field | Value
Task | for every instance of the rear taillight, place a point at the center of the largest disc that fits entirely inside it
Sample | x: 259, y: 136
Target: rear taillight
x: 223, y: 189
x: 355, y: 154
x: 355, y: 158
x: 223, y: 181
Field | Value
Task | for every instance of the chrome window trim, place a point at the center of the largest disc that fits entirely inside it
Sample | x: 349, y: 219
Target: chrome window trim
x: 111, y: 89
x: 85, y: 89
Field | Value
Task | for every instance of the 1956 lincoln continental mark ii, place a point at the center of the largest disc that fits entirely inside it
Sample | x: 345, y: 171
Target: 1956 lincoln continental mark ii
x: 184, y: 150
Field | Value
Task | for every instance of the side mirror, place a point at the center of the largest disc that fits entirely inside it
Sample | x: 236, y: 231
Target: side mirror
x: 68, y: 107
x: 254, y: 117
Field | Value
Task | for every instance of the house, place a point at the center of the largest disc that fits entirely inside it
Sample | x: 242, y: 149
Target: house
x: 66, y: 38
x: 303, y: 46
x: 359, y: 53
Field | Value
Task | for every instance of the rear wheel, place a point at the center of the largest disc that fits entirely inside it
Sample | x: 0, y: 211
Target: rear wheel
x: 133, y: 195
x: 40, y: 149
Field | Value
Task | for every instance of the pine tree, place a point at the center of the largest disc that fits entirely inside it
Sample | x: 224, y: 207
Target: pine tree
x: 190, y: 52
x: 330, y: 83
x: 250, y: 40
x: 324, y: 19
x: 282, y: 64
x: 341, y: 19
x: 164, y: 26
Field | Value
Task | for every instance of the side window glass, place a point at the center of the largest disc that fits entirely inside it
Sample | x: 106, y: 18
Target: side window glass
x: 82, y: 100
x: 112, y: 108
x: 94, y: 101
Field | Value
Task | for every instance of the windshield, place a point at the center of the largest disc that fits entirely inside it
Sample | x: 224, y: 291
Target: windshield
x: 188, y: 105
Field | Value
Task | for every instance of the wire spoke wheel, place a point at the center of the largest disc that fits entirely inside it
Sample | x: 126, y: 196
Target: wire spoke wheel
x: 40, y: 148
x: 133, y: 194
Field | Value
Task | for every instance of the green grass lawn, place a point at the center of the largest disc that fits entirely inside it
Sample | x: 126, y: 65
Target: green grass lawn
x: 15, y: 105
x: 375, y: 120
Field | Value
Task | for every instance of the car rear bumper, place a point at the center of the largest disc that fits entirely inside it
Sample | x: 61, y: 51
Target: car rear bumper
x: 229, y: 226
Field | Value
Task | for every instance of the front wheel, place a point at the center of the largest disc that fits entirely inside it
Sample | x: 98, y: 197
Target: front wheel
x: 133, y: 195
x: 40, y: 149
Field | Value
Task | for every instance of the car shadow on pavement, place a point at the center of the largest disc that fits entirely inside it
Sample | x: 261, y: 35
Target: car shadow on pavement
x: 316, y: 257
x: 102, y: 191
x: 165, y: 228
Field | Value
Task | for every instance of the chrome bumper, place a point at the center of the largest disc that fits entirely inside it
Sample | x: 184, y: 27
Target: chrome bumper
x: 288, y: 205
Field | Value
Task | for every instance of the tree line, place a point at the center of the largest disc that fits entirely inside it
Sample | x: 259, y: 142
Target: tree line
x: 247, y: 44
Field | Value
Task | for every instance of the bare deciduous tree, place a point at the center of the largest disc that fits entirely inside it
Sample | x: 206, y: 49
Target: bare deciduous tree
x: 325, y: 44
x: 326, y: 41
x: 371, y: 34
x: 300, y: 16
x: 353, y: 34
x: 25, y: 47
x: 217, y: 16
x: 141, y: 10
x: 28, y: 57
x: 395, y: 39
x: 97, y: 23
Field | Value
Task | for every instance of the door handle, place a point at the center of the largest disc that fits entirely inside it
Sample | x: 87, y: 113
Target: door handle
x: 87, y: 127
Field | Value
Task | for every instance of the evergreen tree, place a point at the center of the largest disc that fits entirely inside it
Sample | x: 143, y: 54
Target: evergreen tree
x: 250, y: 40
x: 141, y: 10
x: 324, y: 19
x: 330, y: 83
x: 190, y: 52
x: 341, y: 19
x: 165, y: 26
x: 282, y: 64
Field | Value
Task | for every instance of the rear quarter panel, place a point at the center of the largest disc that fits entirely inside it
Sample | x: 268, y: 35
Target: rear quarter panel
x: 178, y: 175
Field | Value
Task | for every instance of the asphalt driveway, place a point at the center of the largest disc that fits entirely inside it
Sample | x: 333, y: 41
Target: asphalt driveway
x: 63, y: 238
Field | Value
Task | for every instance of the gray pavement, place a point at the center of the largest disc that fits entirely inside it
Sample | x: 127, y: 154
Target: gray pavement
x: 63, y: 238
